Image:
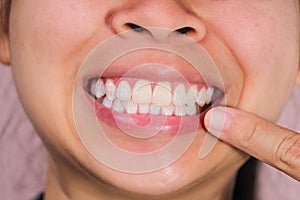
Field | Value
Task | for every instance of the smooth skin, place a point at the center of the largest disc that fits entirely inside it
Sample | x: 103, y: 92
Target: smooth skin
x: 255, y: 45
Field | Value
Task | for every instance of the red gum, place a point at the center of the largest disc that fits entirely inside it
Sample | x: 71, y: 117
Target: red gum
x: 132, y: 82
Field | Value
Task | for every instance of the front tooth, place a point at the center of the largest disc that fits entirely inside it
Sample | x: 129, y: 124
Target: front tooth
x: 142, y: 92
x: 180, y: 111
x: 162, y: 94
x: 130, y: 107
x: 110, y: 89
x: 167, y: 110
x: 209, y: 94
x: 191, y: 110
x: 143, y: 108
x: 179, y: 95
x: 123, y: 91
x: 107, y: 103
x: 201, y: 97
x: 191, y: 95
x: 118, y: 106
x: 154, y: 109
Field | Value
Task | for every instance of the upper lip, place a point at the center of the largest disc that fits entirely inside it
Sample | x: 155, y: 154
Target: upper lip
x: 159, y: 68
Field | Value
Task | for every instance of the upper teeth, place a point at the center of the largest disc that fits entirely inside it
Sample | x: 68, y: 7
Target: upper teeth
x: 162, y: 94
x: 154, y: 98
x: 142, y: 92
x: 110, y: 90
x: 123, y: 91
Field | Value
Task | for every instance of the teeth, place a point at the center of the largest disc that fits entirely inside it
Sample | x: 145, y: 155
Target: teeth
x: 93, y: 87
x: 191, y: 110
x: 167, y: 110
x: 209, y: 94
x: 143, y: 108
x: 191, y: 95
x: 110, y: 89
x: 97, y: 88
x: 123, y: 91
x: 142, y: 100
x: 180, y: 111
x: 107, y: 103
x: 130, y: 107
x: 142, y: 92
x: 201, y: 97
x: 179, y: 95
x: 154, y: 109
x: 162, y: 94
x: 118, y: 106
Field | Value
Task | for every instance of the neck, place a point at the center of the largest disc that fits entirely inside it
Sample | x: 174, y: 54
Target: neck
x: 66, y: 183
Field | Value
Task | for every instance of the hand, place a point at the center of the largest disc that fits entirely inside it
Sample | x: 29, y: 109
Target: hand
x: 261, y: 139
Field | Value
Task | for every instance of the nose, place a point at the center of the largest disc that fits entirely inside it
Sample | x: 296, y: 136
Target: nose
x: 140, y: 16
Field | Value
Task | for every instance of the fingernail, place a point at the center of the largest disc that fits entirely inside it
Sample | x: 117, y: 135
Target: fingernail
x: 215, y: 121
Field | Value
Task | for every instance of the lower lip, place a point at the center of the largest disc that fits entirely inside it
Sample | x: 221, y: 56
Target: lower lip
x: 168, y: 125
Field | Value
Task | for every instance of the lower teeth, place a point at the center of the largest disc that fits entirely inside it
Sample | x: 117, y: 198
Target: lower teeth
x: 131, y: 108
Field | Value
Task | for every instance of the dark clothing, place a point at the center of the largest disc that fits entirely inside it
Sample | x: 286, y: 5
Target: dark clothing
x: 40, y: 197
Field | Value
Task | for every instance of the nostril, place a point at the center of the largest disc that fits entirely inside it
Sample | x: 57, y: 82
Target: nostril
x: 184, y: 30
x: 135, y: 27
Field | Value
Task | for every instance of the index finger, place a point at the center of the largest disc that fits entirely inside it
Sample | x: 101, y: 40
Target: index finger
x: 258, y: 137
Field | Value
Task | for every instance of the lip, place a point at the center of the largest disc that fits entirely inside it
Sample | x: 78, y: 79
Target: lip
x: 139, y: 124
x: 171, y: 126
x: 108, y: 62
x: 163, y: 125
x: 156, y: 72
x: 153, y: 67
x: 157, y: 67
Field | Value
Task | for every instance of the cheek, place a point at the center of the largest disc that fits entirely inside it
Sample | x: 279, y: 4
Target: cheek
x: 48, y: 43
x: 58, y: 31
x: 50, y: 40
x: 263, y: 37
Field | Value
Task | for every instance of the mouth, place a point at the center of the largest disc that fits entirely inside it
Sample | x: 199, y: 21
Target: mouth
x: 145, y: 100
x: 154, y: 105
x: 144, y: 97
x: 159, y: 95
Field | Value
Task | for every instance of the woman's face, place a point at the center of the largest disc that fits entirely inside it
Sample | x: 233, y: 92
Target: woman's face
x: 254, y: 44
